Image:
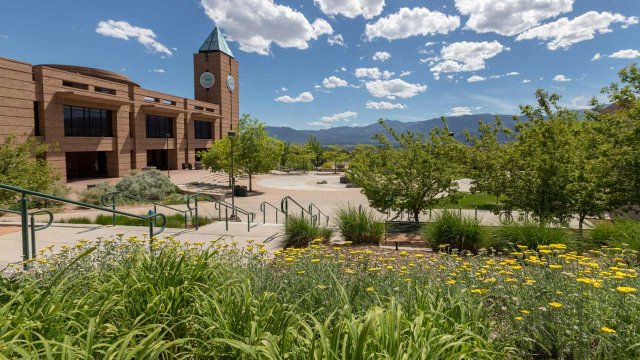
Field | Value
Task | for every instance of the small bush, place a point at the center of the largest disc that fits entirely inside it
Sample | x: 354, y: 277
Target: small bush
x: 455, y: 232
x: 149, y: 184
x: 359, y: 227
x: 529, y: 234
x: 299, y: 231
x: 624, y: 233
x: 93, y: 195
x: 173, y: 220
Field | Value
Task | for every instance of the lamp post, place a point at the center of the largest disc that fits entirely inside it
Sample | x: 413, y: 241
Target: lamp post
x: 232, y: 137
x: 168, y: 171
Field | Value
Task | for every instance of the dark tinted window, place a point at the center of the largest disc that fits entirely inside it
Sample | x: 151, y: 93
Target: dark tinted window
x: 159, y: 126
x: 81, y: 121
x: 203, y: 130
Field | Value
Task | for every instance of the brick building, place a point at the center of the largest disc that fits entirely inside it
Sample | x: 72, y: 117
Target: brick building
x: 102, y: 124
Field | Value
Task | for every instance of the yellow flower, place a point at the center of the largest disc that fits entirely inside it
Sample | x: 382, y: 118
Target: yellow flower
x: 300, y: 272
x: 322, y: 287
x: 556, y: 305
x: 555, y: 266
x: 451, y: 282
x: 524, y: 311
x: 289, y: 259
x: 519, y: 318
x: 370, y: 289
x: 315, y: 260
x: 626, y: 289
x: 479, y: 291
x: 607, y: 330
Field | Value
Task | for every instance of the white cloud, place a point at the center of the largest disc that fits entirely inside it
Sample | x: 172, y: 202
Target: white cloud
x: 563, y: 32
x: 513, y: 73
x: 351, y: 8
x: 526, y: 81
x: 384, y: 105
x: 405, y: 73
x: 346, y: 116
x: 333, y: 82
x: 284, y: 89
x: 336, y: 39
x: 509, y: 17
x: 4, y: 36
x: 372, y: 73
x: 626, y: 54
x: 161, y: 71
x: 125, y: 31
x: 318, y: 123
x: 476, y: 78
x: 411, y: 22
x: 596, y: 57
x: 303, y: 97
x: 430, y: 43
x: 561, y: 78
x: 257, y: 24
x: 466, y: 56
x: 392, y: 88
x: 460, y: 110
x: 381, y: 56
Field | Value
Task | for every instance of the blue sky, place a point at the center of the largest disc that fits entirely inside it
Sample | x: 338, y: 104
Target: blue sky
x: 312, y: 64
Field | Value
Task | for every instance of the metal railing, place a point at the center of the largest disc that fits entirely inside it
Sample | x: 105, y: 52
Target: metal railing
x: 32, y: 224
x: 263, y: 209
x: 187, y: 214
x: 219, y: 204
x: 284, y: 207
x: 25, y: 215
x: 319, y: 214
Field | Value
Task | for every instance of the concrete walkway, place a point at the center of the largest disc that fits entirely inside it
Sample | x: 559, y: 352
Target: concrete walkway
x: 69, y: 234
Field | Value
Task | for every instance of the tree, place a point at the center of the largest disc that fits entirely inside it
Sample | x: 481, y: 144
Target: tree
x: 487, y: 158
x: 316, y: 150
x: 554, y: 167
x: 22, y: 164
x: 410, y: 177
x: 254, y: 150
x: 336, y: 154
x: 300, y: 158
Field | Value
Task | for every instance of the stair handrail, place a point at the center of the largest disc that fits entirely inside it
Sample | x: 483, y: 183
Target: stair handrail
x: 187, y: 214
x: 24, y: 214
x: 32, y: 225
x: 218, y: 204
x: 263, y: 209
x: 311, y: 206
x: 284, y: 207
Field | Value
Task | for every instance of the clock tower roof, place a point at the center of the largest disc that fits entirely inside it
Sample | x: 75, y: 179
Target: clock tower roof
x: 215, y: 42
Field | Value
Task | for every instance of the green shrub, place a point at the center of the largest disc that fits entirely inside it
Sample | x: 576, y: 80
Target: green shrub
x: 173, y: 220
x: 299, y: 231
x: 148, y: 184
x: 623, y: 233
x: 454, y: 231
x: 94, y: 194
x: 529, y: 234
x: 359, y: 227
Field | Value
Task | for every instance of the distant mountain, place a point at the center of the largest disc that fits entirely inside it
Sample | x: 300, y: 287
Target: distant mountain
x: 347, y: 135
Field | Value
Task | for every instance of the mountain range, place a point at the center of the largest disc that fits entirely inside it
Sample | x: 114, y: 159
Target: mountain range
x: 352, y: 135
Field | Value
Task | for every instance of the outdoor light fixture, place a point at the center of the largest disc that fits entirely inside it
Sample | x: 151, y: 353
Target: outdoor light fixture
x: 168, y: 171
x: 232, y: 136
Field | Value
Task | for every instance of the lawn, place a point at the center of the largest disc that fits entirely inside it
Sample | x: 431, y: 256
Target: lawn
x: 173, y: 221
x: 469, y: 201
x: 115, y: 298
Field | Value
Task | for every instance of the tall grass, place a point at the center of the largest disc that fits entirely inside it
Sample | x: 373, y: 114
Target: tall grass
x: 300, y: 231
x: 623, y: 233
x: 528, y: 233
x: 453, y: 231
x: 359, y: 226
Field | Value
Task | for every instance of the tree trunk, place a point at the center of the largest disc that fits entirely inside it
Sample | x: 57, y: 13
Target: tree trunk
x: 250, y: 182
x: 581, y: 218
x: 335, y: 167
x: 416, y: 215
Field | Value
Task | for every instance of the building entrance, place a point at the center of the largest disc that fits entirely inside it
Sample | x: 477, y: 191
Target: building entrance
x: 86, y: 164
x: 158, y: 158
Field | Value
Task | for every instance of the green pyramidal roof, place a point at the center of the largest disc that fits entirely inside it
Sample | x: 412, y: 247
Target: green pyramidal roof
x: 215, y: 42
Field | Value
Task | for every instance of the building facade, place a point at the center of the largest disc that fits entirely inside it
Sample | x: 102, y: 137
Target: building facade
x: 101, y: 124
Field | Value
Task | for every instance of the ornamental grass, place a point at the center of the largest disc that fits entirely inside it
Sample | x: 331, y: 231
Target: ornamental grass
x: 121, y: 298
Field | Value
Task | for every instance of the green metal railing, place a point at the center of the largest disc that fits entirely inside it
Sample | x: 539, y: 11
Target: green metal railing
x: 284, y: 207
x: 109, y: 199
x: 25, y: 215
x: 32, y: 224
x: 319, y: 214
x: 218, y: 204
x: 263, y: 209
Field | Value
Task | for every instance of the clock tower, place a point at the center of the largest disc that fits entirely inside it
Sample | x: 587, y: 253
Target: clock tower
x: 216, y: 79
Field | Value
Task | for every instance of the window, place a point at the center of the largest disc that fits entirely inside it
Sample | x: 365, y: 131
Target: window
x: 81, y: 121
x: 203, y: 130
x: 159, y: 126
x: 36, y: 118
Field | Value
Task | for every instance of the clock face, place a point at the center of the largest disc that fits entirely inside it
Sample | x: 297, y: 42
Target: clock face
x: 207, y: 79
x: 231, y: 83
